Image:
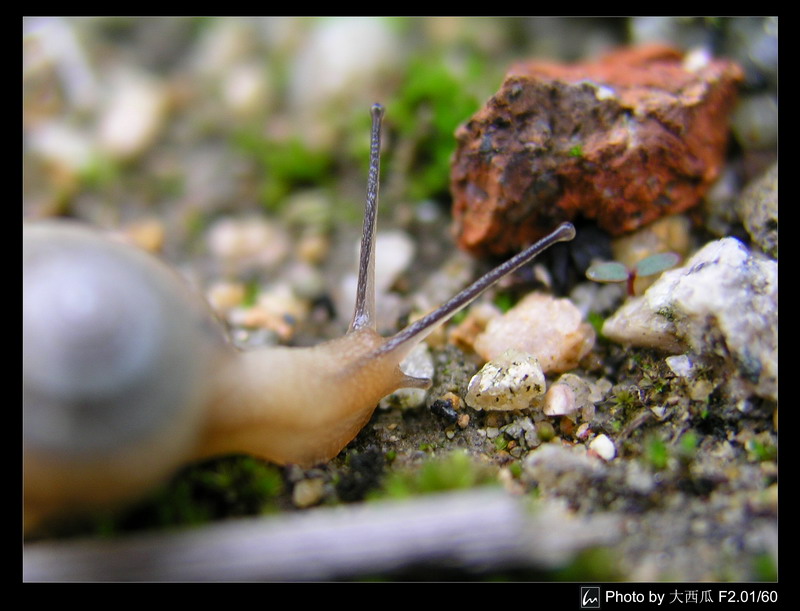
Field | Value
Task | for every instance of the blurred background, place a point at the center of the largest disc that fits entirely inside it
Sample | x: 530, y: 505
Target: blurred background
x: 188, y: 118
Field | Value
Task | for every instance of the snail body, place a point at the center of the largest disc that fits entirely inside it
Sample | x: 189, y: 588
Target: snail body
x: 127, y: 374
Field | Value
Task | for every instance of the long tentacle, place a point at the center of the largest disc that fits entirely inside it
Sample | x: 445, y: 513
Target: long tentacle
x: 364, y: 313
x: 418, y: 330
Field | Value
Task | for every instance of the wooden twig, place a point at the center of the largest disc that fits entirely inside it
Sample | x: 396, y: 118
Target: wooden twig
x: 472, y: 531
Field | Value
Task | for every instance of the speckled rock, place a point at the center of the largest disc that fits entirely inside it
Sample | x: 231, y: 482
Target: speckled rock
x: 513, y: 380
x: 626, y: 139
x: 758, y: 209
x: 550, y: 328
x: 724, y: 301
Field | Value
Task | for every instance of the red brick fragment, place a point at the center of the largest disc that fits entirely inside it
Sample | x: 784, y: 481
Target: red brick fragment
x: 624, y: 140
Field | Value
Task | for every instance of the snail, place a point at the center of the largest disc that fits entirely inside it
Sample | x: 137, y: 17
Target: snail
x: 127, y: 374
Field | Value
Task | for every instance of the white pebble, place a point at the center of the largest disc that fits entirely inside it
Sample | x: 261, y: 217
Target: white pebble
x: 512, y: 381
x: 249, y: 242
x: 680, y: 365
x: 245, y: 89
x: 340, y: 55
x: 603, y: 447
x: 62, y: 145
x: 394, y: 250
x: 134, y: 115
x: 308, y: 492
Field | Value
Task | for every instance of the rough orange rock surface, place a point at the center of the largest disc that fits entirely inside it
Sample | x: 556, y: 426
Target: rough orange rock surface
x: 626, y: 139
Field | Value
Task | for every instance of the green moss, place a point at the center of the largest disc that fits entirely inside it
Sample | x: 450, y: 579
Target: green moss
x: 500, y: 442
x: 286, y: 165
x: 225, y: 487
x: 656, y: 453
x: 595, y: 564
x: 102, y: 171
x: 596, y: 320
x: 625, y: 400
x: 764, y: 568
x: 687, y: 446
x: 576, y: 151
x: 504, y: 301
x: 458, y: 317
x: 667, y: 313
x: 425, y: 111
x: 251, y: 291
x: 760, y: 451
x: 456, y: 471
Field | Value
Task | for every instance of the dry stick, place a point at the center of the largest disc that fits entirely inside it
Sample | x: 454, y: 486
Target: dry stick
x: 484, y: 529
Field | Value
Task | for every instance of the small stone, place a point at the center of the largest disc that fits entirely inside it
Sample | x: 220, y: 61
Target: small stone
x: 512, y: 381
x: 64, y: 147
x: 308, y: 492
x: 633, y: 136
x: 549, y: 328
x: 280, y: 299
x: 659, y: 411
x: 700, y: 308
x: 602, y: 447
x: 519, y: 427
x: 225, y: 295
x: 394, y: 251
x: 245, y: 89
x: 758, y: 209
x: 755, y: 121
x: 568, y: 394
x: 248, y: 243
x: 277, y: 309
x: 550, y: 462
x: 638, y: 478
x: 313, y: 248
x: 700, y: 390
x: 134, y: 116
x: 147, y: 234
x: 559, y: 401
x: 680, y: 365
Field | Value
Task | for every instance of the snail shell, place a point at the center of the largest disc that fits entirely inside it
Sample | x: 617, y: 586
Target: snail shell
x: 116, y: 361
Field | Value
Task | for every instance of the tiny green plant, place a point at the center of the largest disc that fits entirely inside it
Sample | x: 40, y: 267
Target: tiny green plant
x: 614, y: 271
